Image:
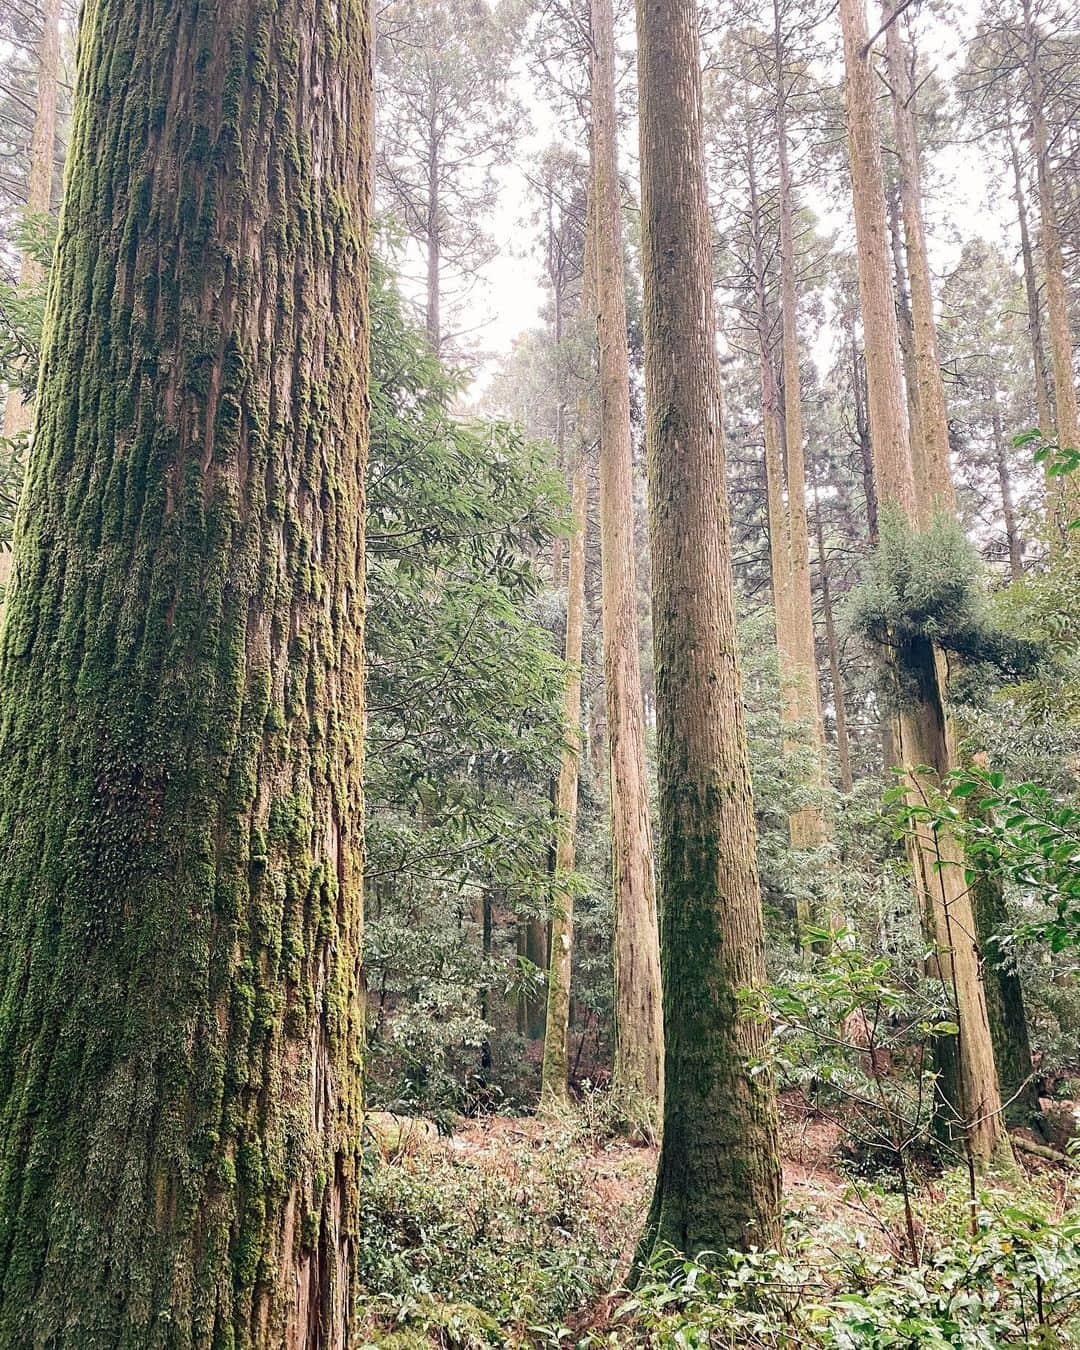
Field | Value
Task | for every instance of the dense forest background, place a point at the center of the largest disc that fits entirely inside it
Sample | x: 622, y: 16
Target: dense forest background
x: 501, y: 825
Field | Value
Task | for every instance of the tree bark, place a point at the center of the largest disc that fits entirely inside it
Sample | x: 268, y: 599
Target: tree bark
x: 924, y: 735
x: 554, y: 1091
x: 1008, y: 510
x: 862, y: 432
x: 1043, y: 405
x: 1005, y: 1001
x: 893, y: 475
x: 1057, y: 308
x: 934, y: 486
x: 718, y: 1179
x: 807, y: 825
x: 772, y: 437
x: 181, y: 1017
x: 639, y: 1033
x: 905, y: 327
x: 843, y: 747
x: 17, y: 412
x: 925, y: 743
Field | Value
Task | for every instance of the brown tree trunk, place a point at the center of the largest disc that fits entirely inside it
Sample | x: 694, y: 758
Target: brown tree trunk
x: 924, y: 737
x: 862, y: 432
x: 884, y: 382
x: 1004, y: 997
x: 1008, y: 510
x: 905, y: 326
x: 17, y: 412
x: 807, y: 825
x: 934, y: 485
x: 772, y: 439
x: 843, y: 747
x: 554, y: 1092
x: 1057, y: 308
x: 639, y: 1054
x: 181, y: 673
x: 1043, y: 405
x: 718, y: 1179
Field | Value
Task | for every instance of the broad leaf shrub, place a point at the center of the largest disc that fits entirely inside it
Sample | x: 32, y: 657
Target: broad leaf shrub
x: 1016, y: 1281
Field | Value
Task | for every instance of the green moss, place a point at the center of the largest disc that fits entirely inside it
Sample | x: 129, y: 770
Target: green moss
x: 165, y: 948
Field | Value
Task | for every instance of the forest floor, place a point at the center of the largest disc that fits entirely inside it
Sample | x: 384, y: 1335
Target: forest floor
x: 512, y: 1231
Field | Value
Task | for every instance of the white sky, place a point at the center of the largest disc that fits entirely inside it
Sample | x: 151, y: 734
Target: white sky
x: 962, y: 203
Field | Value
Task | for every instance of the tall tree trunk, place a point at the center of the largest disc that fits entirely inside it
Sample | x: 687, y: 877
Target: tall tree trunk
x: 181, y: 680
x: 934, y: 486
x: 860, y: 398
x: 1004, y: 998
x: 893, y: 475
x: 807, y: 825
x: 553, y: 1083
x: 772, y: 439
x: 17, y: 412
x: 1043, y: 405
x: 1057, y: 308
x: 843, y: 747
x: 905, y: 325
x: 1008, y: 510
x: 639, y: 1031
x: 924, y: 737
x: 718, y: 1179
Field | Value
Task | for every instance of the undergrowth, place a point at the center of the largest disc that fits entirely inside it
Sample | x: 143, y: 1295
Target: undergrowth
x: 519, y: 1243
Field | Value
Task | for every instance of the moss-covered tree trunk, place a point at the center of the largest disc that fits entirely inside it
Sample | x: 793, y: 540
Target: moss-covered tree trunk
x: 181, y: 709
x: 718, y: 1180
x: 638, y: 1071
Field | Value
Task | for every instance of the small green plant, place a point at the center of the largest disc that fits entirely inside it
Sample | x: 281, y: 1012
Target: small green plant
x: 1019, y: 829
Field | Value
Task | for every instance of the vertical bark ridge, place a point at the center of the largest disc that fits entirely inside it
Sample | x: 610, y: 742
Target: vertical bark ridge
x: 181, y: 713
x: 718, y: 1179
x: 639, y: 1063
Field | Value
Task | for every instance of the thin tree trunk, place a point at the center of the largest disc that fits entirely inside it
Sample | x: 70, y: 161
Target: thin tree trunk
x: 1057, y: 307
x: 554, y: 1091
x: 718, y: 1179
x: 1043, y: 405
x: 772, y: 437
x: 934, y: 487
x: 639, y: 1032
x: 1004, y: 999
x: 923, y: 731
x: 905, y: 326
x: 862, y: 432
x: 893, y: 475
x: 807, y: 825
x: 843, y: 747
x: 1008, y: 510
x: 181, y: 1018
x: 17, y: 412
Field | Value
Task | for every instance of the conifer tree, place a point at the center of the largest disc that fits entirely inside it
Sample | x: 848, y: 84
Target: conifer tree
x: 638, y: 1068
x: 925, y: 735
x: 718, y: 1179
x: 181, y: 693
